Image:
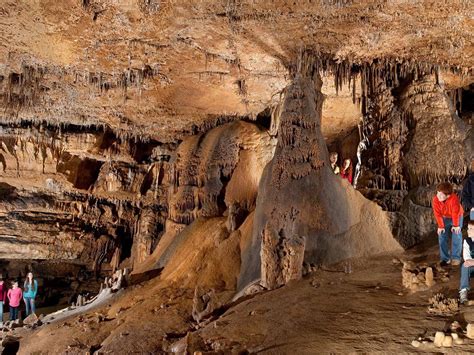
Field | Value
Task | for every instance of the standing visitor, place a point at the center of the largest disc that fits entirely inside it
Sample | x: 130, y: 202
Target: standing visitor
x: 467, y: 267
x: 14, y: 297
x: 448, y: 213
x: 3, y: 298
x: 468, y: 193
x: 30, y: 289
x: 333, y: 159
x: 346, y: 171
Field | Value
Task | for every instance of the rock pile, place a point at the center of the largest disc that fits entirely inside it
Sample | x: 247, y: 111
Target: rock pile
x: 421, y: 277
x: 442, y: 305
x: 454, y: 336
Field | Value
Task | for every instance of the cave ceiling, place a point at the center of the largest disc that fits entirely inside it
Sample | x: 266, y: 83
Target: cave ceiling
x: 163, y: 69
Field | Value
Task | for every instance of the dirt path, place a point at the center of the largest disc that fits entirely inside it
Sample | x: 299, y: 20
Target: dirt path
x: 365, y: 311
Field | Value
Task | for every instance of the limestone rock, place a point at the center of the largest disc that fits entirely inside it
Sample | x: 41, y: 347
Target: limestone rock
x: 439, y: 339
x: 429, y: 277
x: 415, y: 343
x: 470, y: 331
x: 447, y: 341
x: 31, y: 319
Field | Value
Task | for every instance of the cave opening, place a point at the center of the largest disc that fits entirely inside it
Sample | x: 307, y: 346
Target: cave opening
x: 264, y: 119
x: 466, y: 105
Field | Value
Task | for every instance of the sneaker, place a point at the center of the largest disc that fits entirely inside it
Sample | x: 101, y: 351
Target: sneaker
x: 463, y: 296
x: 445, y: 262
x: 456, y: 262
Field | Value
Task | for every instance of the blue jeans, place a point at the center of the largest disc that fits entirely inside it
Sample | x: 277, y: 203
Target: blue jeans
x: 465, y: 277
x: 471, y: 215
x: 29, y: 305
x: 456, y: 241
x: 1, y: 311
x: 13, y: 313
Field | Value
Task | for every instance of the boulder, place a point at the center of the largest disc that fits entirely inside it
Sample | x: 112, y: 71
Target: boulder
x: 30, y: 320
x: 10, y: 345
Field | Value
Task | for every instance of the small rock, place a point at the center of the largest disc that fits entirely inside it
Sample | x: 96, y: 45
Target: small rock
x: 438, y: 339
x: 470, y: 303
x: 448, y: 341
x: 455, y: 336
x: 470, y: 331
x: 458, y: 341
x: 400, y: 293
x: 455, y: 326
x: 429, y: 277
x: 31, y: 319
x: 415, y: 343
x: 445, y: 279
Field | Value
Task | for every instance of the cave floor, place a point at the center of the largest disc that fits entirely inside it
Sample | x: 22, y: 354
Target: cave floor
x: 367, y: 310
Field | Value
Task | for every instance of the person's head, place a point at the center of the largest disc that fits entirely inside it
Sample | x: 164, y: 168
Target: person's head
x: 347, y: 163
x: 29, y: 276
x: 333, y: 157
x: 470, y: 229
x: 443, y: 190
x: 15, y: 284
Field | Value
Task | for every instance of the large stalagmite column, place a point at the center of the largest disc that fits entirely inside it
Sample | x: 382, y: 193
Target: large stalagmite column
x: 291, y: 177
x: 301, y: 153
x: 304, y: 212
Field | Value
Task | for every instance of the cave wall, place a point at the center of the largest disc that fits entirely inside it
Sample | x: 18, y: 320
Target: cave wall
x: 81, y: 194
x: 412, y: 139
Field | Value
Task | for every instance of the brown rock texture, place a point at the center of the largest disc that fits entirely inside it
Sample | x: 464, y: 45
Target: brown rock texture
x: 187, y: 142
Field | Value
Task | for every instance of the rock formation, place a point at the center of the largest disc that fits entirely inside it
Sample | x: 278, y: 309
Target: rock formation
x: 188, y: 142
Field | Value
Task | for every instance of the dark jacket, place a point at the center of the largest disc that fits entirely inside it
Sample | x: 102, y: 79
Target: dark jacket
x: 468, y: 193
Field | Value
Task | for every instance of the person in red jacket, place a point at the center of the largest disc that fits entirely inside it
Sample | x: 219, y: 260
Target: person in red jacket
x: 448, y: 213
x: 346, y: 171
x: 3, y: 297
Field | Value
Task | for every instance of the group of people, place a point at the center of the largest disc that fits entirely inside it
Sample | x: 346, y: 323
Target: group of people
x: 345, y: 171
x: 449, y: 214
x: 15, y: 294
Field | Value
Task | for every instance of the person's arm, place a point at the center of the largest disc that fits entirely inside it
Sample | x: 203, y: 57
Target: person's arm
x: 9, y: 293
x: 437, y: 212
